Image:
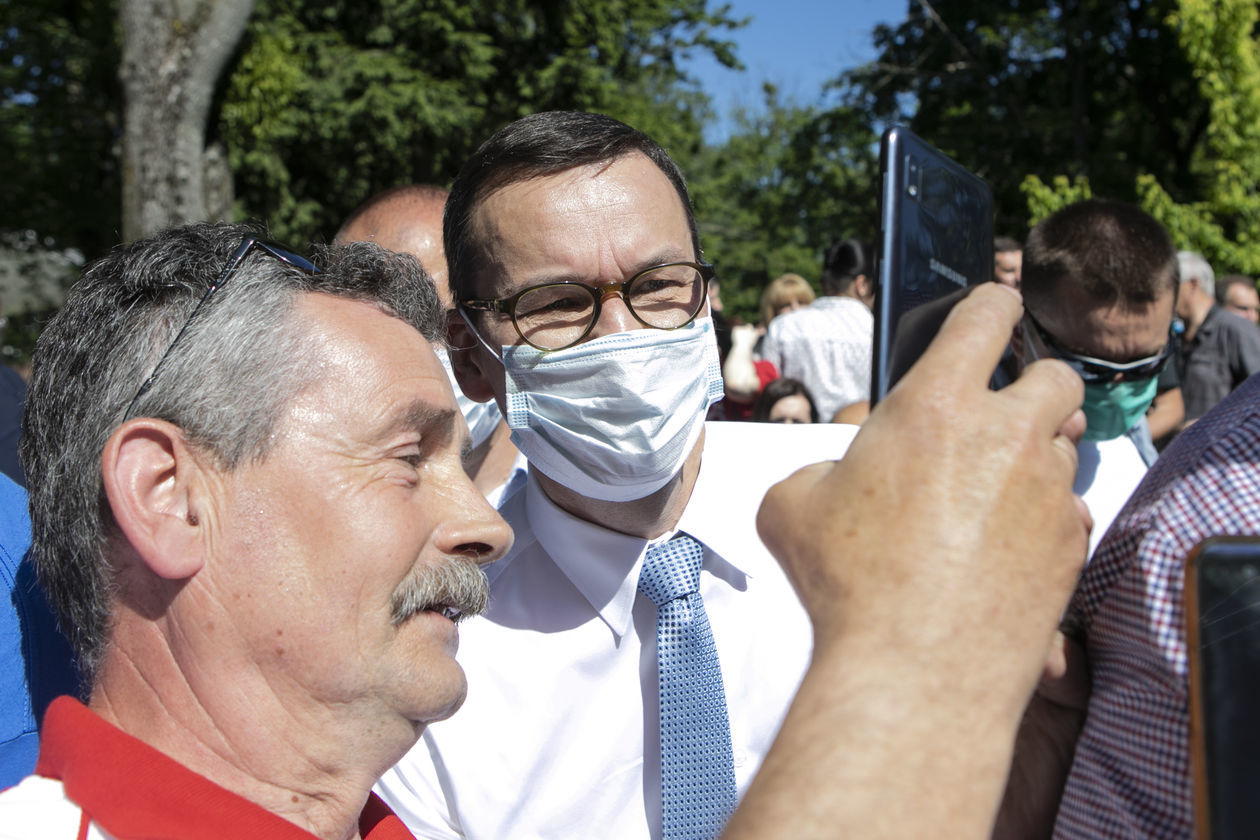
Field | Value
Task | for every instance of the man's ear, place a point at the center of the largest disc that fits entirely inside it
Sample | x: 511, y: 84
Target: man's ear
x: 467, y: 358
x: 865, y: 288
x: 152, y: 481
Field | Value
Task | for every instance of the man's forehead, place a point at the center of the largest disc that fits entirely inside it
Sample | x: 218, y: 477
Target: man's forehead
x: 1117, y: 331
x: 375, y: 375
x: 561, y: 220
x: 358, y: 333
x: 633, y: 173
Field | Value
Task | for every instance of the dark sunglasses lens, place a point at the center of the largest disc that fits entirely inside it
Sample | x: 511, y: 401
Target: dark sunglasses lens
x: 1094, y: 373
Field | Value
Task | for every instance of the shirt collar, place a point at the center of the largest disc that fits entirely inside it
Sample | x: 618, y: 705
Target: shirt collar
x: 604, y: 564
x: 835, y: 302
x: 1209, y: 320
x: 134, y: 790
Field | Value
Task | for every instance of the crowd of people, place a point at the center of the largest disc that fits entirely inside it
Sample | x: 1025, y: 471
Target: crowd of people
x: 270, y: 496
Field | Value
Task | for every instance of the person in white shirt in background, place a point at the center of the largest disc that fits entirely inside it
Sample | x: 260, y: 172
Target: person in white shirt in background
x: 744, y: 371
x: 827, y: 345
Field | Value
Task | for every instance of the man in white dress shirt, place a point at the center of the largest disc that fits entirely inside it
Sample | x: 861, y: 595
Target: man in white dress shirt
x: 827, y: 345
x: 576, y: 270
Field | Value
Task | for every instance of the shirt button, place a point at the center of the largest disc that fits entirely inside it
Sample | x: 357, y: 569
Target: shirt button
x: 739, y: 756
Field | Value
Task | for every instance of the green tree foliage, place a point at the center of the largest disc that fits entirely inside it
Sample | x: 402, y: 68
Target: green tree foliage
x: 1099, y: 89
x: 334, y: 101
x: 789, y: 180
x: 1221, y: 216
x: 60, y: 121
x: 329, y: 101
x: 1224, y: 224
x: 1044, y: 199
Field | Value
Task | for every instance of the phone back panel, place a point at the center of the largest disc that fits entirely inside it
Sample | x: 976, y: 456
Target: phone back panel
x: 1223, y: 642
x: 936, y: 237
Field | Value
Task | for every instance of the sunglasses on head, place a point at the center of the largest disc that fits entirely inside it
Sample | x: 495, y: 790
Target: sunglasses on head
x: 249, y: 243
x: 1100, y: 371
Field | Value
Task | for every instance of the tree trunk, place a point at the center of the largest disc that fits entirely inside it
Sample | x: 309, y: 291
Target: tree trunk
x: 173, y: 53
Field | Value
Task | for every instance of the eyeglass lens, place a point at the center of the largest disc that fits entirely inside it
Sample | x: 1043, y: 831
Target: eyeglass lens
x: 557, y: 315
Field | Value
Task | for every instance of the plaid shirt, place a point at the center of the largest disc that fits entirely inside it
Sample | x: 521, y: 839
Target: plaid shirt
x: 1131, y: 774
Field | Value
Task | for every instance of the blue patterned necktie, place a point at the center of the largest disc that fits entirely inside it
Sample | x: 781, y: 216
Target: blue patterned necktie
x: 697, y: 773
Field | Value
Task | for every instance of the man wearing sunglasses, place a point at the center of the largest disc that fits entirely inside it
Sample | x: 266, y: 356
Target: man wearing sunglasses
x: 1099, y: 282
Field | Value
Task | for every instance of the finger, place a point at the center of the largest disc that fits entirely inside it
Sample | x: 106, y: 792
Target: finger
x: 784, y: 500
x: 1073, y: 428
x: 1086, y: 517
x: 1066, y: 448
x: 1054, y: 392
x: 972, y: 339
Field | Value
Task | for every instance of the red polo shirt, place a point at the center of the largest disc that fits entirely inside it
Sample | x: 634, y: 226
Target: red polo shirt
x: 130, y: 790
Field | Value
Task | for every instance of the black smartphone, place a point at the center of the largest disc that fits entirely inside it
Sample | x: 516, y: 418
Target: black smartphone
x: 1222, y: 600
x: 936, y: 239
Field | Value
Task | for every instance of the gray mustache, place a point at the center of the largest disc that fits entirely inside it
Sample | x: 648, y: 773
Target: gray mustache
x: 457, y: 588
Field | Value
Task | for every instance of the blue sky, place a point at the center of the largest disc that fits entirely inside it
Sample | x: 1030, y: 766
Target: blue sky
x: 796, y: 44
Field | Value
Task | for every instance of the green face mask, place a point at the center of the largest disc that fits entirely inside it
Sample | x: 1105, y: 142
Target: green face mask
x: 1112, y: 408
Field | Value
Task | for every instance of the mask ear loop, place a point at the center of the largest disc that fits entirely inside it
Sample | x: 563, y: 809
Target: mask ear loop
x: 497, y: 354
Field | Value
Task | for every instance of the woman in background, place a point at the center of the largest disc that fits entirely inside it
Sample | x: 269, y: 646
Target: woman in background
x: 791, y: 291
x: 785, y: 401
x: 744, y: 372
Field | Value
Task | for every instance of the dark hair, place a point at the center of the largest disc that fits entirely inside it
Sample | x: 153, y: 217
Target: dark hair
x: 225, y: 383
x: 844, y: 261
x: 779, y: 389
x: 534, y: 147
x: 1228, y: 281
x: 1005, y: 244
x: 1111, y: 250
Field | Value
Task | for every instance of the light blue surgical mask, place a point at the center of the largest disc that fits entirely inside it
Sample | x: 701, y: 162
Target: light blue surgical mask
x: 613, y: 418
x: 1112, y: 408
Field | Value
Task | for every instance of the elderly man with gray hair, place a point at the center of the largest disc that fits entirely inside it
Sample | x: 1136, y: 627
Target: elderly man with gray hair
x: 1220, y: 349
x: 250, y: 512
x: 1237, y: 293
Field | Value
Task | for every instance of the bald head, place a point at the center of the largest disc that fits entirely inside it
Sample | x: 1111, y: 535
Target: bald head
x: 407, y: 220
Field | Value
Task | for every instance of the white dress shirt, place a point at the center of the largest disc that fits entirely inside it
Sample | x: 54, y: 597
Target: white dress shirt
x: 559, y: 737
x: 1107, y: 473
x: 826, y: 345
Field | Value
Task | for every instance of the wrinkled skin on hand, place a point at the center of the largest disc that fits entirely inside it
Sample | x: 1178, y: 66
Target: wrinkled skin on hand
x: 934, y: 560
x: 952, y: 509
